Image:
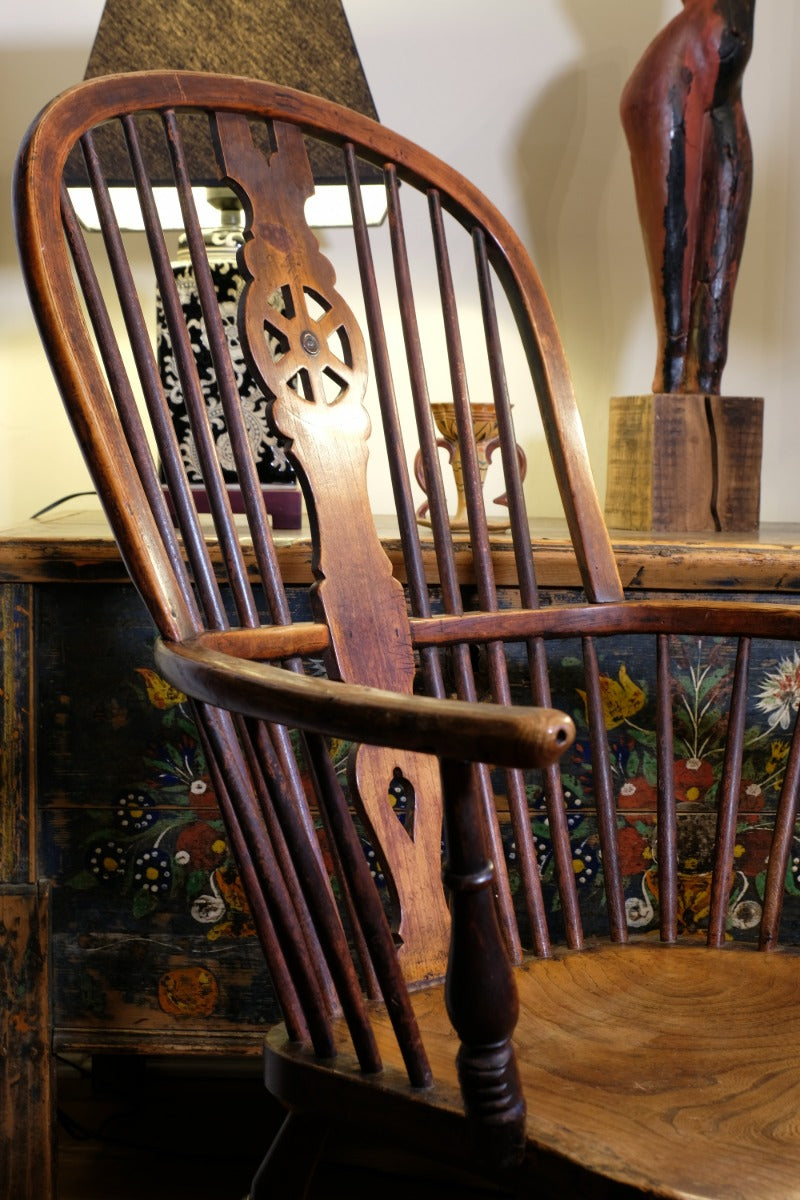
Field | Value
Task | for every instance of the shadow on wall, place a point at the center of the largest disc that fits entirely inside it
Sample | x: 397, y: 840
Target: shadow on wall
x: 577, y: 190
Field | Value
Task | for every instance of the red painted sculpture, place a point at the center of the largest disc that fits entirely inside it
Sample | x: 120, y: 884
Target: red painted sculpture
x: 692, y: 165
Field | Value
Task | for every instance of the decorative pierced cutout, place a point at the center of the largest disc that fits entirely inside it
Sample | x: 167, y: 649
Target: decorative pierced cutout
x: 301, y: 332
x: 403, y: 799
x: 316, y: 305
x: 312, y: 350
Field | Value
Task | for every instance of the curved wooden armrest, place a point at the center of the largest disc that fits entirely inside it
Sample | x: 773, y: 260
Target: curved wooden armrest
x: 477, y: 732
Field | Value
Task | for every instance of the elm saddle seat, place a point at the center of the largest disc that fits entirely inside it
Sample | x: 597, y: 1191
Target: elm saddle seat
x: 598, y: 1000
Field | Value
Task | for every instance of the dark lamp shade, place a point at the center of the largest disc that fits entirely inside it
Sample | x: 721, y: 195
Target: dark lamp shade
x: 305, y: 44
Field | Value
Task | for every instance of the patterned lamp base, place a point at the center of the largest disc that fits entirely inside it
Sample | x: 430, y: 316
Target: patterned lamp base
x: 281, y: 492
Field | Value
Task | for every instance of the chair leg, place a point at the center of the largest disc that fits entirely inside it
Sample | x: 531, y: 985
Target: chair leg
x: 291, y: 1160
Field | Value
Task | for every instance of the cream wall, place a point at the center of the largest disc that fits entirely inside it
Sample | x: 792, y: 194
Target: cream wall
x: 524, y: 101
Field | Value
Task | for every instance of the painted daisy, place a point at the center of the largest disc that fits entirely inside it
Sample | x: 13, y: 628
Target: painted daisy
x: 780, y: 692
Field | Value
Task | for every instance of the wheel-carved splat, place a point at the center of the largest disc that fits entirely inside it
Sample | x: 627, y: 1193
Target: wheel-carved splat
x: 308, y: 354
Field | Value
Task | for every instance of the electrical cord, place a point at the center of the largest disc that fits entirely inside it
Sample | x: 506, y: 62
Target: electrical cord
x: 49, y: 507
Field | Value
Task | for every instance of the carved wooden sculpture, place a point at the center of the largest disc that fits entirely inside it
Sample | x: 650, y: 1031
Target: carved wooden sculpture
x: 569, y: 1013
x: 684, y: 458
x: 692, y: 166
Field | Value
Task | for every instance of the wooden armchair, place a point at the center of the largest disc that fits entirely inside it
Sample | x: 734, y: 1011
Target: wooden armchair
x: 605, y: 944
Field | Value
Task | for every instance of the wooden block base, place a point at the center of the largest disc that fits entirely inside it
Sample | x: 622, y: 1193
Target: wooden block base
x: 682, y: 463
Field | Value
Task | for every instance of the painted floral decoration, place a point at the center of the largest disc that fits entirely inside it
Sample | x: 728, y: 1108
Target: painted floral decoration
x: 701, y: 678
x: 106, y: 860
x: 152, y: 872
x: 161, y: 841
x: 780, y: 692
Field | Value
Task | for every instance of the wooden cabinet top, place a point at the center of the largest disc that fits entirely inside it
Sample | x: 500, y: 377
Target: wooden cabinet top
x: 76, y: 547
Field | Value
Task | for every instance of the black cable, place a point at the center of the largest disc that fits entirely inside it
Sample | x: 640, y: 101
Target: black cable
x: 63, y: 500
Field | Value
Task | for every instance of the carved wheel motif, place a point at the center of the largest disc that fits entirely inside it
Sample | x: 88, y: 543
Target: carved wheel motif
x: 309, y: 347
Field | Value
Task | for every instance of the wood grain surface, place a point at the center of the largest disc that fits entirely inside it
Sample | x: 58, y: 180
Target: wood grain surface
x: 675, y: 1070
x: 79, y: 548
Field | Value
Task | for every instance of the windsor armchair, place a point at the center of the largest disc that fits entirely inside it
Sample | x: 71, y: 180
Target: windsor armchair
x: 606, y: 941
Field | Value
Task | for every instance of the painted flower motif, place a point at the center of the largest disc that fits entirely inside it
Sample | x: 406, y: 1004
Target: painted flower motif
x: 778, y: 753
x: 188, y: 992
x: 586, y: 854
x: 135, y: 811
x: 752, y: 849
x: 633, y: 851
x: 693, y: 778
x: 621, y: 697
x: 107, y: 860
x: 636, y: 795
x: 160, y: 693
x: 152, y: 872
x: 207, y: 910
x: 572, y: 803
x: 780, y: 692
x: 746, y: 914
x: 375, y: 868
x: 238, y: 923
x: 751, y: 802
x: 200, y: 845
x: 639, y: 910
x: 179, y: 763
x: 586, y: 859
x: 694, y: 901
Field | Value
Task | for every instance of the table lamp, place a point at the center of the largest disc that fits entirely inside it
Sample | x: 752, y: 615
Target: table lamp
x: 306, y: 45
